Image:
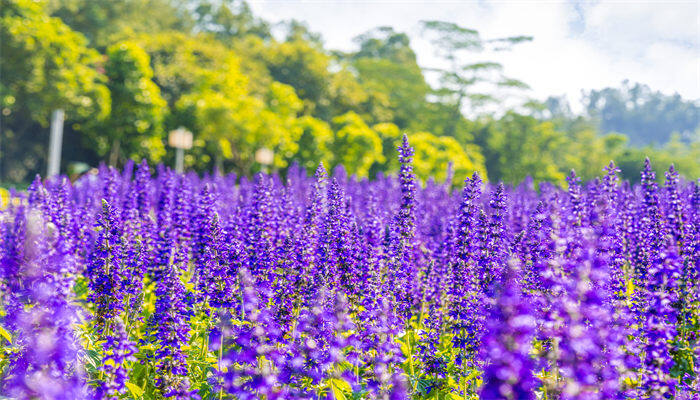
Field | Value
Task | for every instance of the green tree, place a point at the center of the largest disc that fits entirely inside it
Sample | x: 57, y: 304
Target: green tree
x: 136, y: 117
x: 310, y: 142
x: 435, y: 153
x: 251, y: 51
x: 201, y: 80
x: 355, y: 145
x: 227, y: 19
x: 44, y: 65
x: 646, y: 116
x: 299, y: 30
x: 385, y: 53
x: 598, y: 150
x: 206, y: 92
x: 304, y: 66
x: 327, y: 87
x: 104, y: 22
x: 461, y: 82
x: 517, y: 146
x: 390, y: 136
x: 682, y: 155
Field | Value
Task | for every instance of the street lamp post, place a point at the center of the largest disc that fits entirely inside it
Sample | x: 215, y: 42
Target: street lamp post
x: 181, y: 140
x: 179, y: 160
x: 55, y: 143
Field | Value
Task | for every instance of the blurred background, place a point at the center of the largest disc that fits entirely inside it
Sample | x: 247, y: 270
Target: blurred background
x: 503, y: 88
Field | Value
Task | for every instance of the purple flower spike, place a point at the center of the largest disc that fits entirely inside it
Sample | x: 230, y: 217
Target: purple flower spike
x: 508, y: 373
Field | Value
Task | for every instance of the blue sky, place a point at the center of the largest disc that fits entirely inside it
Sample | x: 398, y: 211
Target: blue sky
x: 577, y: 44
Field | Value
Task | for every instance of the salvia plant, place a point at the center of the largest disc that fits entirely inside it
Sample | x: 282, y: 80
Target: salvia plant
x: 148, y: 284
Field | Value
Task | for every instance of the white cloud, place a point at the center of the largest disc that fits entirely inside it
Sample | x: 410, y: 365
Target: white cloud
x: 577, y: 46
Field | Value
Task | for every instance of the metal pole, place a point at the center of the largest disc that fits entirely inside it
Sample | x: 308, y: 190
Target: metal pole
x: 56, y: 142
x: 179, y: 160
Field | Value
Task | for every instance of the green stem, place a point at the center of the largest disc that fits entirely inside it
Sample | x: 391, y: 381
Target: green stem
x: 410, y: 359
x: 145, y: 380
x: 107, y: 329
x: 221, y: 356
x: 466, y: 384
x: 205, y: 346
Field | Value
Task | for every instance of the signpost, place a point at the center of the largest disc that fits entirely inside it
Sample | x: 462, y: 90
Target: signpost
x: 181, y: 140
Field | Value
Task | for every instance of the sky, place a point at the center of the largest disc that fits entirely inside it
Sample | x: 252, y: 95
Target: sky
x: 576, y: 45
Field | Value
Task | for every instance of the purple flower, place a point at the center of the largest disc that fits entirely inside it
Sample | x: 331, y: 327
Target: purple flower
x: 659, y: 326
x: 105, y: 269
x: 46, y: 360
x: 119, y: 350
x: 493, y: 247
x: 466, y: 296
x: 508, y: 373
x: 401, y: 247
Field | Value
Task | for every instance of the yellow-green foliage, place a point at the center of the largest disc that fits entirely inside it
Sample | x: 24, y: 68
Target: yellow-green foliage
x: 309, y: 144
x: 434, y: 153
x: 127, y: 72
x: 390, y: 135
x: 136, y: 117
x: 46, y: 65
x: 355, y: 145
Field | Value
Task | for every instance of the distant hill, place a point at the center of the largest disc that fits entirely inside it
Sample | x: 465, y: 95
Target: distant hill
x: 646, y: 116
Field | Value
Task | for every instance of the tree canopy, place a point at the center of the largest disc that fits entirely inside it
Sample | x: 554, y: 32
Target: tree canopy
x: 127, y: 72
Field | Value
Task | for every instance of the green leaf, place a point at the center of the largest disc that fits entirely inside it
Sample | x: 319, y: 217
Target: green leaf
x: 135, y: 390
x: 80, y: 288
x: 422, y: 386
x: 5, y: 334
x: 337, y: 391
x: 93, y: 357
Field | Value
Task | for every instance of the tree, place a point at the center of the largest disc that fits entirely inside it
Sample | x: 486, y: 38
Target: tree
x: 683, y: 156
x: 310, y: 142
x: 299, y: 30
x: 385, y: 53
x: 227, y: 19
x: 646, y: 116
x: 385, y: 43
x: 104, y: 22
x: 598, y: 150
x: 327, y: 87
x: 517, y: 146
x: 435, y: 153
x: 432, y: 155
x: 206, y: 92
x: 459, y: 80
x: 137, y: 107
x: 304, y: 66
x: 44, y: 65
x: 390, y: 136
x: 251, y: 51
x: 355, y: 145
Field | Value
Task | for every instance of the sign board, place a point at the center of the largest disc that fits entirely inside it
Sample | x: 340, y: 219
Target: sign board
x: 180, y: 138
x: 264, y: 156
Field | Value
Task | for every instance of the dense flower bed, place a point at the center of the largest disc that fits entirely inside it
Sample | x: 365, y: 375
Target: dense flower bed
x: 121, y: 286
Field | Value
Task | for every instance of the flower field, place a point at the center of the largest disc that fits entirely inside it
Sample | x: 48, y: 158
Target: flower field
x: 147, y: 284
